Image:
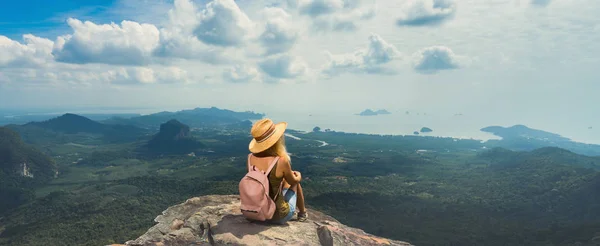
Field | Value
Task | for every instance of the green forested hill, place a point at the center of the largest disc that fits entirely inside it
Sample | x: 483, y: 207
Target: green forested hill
x: 21, y: 167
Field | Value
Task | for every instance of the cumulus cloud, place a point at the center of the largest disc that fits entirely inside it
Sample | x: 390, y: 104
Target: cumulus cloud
x: 177, y: 39
x: 426, y: 12
x: 139, y: 75
x: 101, y: 74
x: 279, y: 36
x: 241, y: 73
x: 541, y: 3
x: 371, y: 59
x: 223, y: 23
x: 130, y: 43
x: 284, y: 66
x: 35, y: 52
x: 436, y: 58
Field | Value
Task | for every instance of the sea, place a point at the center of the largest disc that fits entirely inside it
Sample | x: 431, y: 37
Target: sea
x: 461, y: 126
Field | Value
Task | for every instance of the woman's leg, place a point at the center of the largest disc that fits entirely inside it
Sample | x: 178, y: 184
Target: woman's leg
x: 300, y: 201
x: 299, y: 193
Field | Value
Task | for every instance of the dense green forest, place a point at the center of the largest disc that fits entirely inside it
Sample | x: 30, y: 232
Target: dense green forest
x: 425, y: 190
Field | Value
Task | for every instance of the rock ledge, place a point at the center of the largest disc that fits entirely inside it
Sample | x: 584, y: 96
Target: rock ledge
x: 216, y: 220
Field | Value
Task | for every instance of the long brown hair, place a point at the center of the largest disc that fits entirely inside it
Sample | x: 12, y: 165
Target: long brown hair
x: 278, y: 149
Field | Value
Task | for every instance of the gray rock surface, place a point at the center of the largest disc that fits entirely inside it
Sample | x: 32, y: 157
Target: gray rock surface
x: 216, y: 220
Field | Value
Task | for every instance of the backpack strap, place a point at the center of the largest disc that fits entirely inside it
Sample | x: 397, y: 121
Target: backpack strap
x: 249, y: 165
x: 271, y: 166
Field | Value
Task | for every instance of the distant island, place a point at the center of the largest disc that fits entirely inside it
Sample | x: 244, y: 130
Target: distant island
x: 369, y: 112
x: 426, y: 129
x: 523, y: 138
x: 521, y: 131
x: 382, y: 111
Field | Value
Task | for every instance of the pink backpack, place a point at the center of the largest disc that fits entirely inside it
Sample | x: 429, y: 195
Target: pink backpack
x: 254, y: 193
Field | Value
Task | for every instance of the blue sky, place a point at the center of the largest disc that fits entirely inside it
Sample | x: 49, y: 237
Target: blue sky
x: 46, y: 18
x: 527, y: 60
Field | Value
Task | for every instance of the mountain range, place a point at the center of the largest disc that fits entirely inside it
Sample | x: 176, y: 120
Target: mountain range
x: 198, y: 117
x: 523, y: 138
x: 73, y: 124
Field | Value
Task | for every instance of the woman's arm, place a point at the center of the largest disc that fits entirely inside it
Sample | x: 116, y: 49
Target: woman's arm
x: 290, y: 176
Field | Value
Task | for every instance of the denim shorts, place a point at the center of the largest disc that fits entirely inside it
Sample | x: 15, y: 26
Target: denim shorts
x: 290, y: 197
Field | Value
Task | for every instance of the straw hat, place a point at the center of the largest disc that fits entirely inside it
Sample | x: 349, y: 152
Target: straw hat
x: 265, y: 134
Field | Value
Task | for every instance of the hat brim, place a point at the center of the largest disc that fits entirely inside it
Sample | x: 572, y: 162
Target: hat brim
x: 256, y: 147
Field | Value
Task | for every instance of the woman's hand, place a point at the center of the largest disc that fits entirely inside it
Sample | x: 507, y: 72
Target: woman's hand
x: 297, y: 176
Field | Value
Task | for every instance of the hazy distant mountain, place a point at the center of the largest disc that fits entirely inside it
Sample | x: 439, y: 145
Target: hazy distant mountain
x: 197, y: 117
x: 73, y: 124
x: 22, y: 117
x: 520, y: 137
x: 521, y: 131
x: 173, y: 138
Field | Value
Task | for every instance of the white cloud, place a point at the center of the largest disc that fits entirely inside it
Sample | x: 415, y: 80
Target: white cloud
x: 130, y: 43
x: 178, y: 41
x: 279, y: 35
x: 35, y: 52
x: 223, y: 23
x: 146, y: 75
x: 241, y: 73
x: 370, y: 59
x: 284, y: 66
x: 98, y: 75
x: 436, y: 58
x: 426, y: 12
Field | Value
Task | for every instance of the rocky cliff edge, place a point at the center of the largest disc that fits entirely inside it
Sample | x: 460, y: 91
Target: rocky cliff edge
x: 216, y: 220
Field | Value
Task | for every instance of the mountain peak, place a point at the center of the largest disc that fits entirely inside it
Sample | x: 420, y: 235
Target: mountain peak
x: 173, y: 138
x: 216, y: 220
x: 71, y: 123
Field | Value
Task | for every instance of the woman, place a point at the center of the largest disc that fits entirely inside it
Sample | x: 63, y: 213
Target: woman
x: 268, y: 143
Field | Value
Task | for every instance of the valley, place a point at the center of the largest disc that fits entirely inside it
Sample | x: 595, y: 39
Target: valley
x: 425, y: 190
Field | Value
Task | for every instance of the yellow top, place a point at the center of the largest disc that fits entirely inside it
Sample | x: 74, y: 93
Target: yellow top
x: 282, y: 207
